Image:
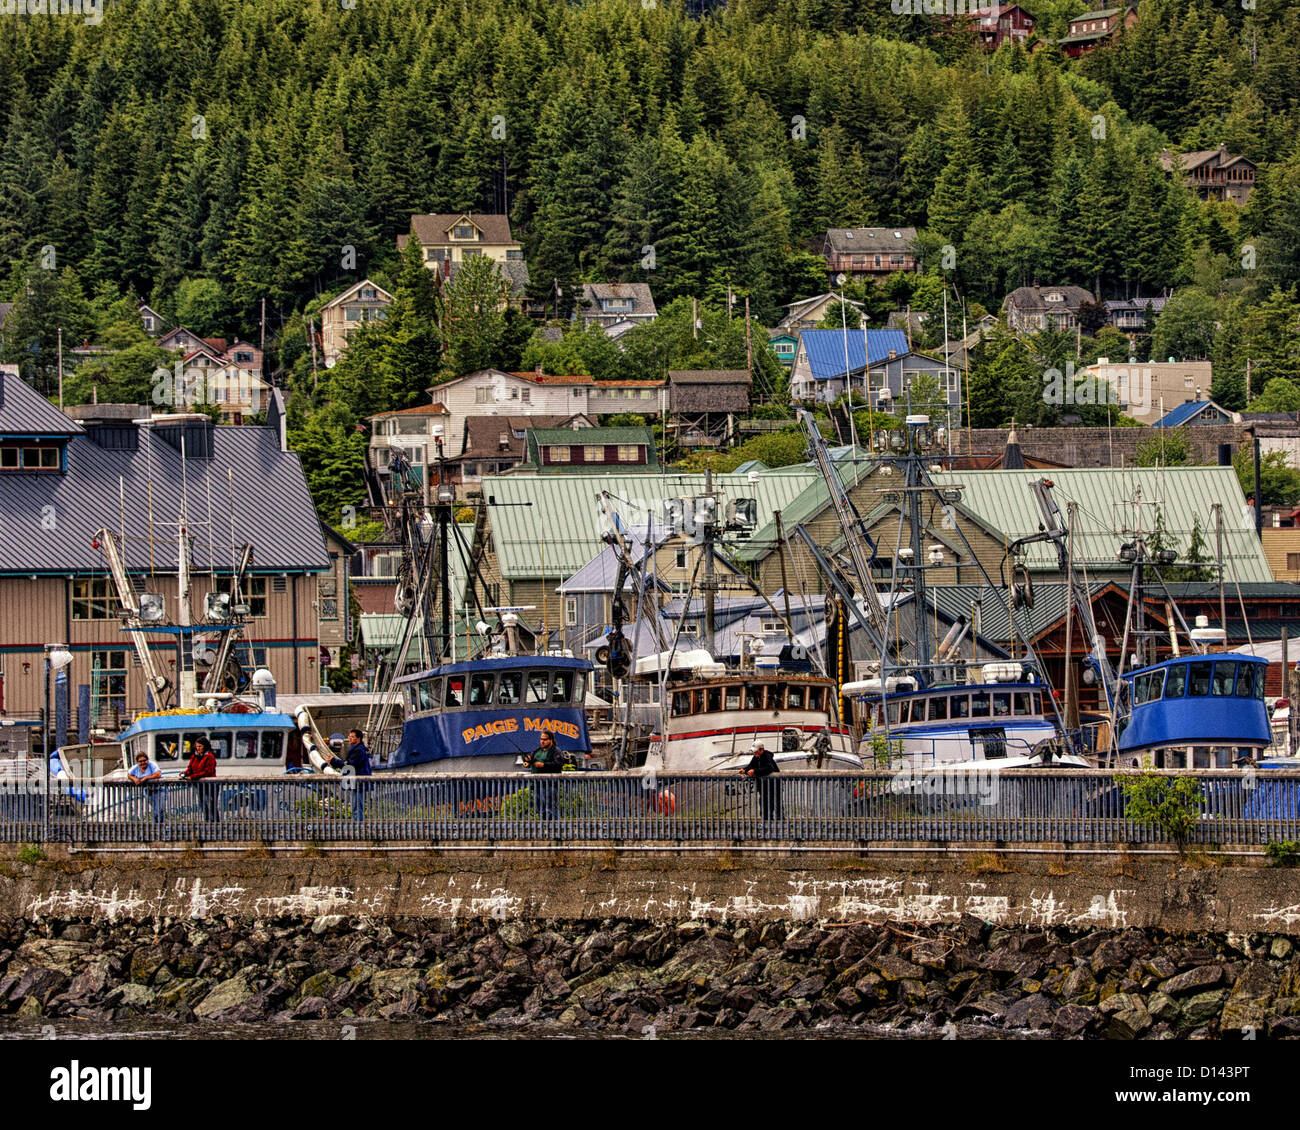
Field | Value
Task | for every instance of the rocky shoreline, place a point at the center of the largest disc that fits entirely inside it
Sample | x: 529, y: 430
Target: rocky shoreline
x: 619, y: 976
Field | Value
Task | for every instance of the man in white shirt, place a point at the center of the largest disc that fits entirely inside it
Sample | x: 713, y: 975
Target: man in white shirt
x: 147, y: 775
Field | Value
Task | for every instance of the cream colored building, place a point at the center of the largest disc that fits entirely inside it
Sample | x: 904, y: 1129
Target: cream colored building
x: 1148, y: 389
x: 357, y: 306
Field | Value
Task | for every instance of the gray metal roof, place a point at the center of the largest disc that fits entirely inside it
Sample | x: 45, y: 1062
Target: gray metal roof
x: 25, y: 412
x: 49, y: 518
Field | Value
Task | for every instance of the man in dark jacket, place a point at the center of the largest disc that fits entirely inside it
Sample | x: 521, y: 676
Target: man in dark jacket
x: 358, y: 762
x: 546, y: 760
x: 762, y: 767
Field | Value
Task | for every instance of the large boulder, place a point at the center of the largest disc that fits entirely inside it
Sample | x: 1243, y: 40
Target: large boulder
x: 224, y: 996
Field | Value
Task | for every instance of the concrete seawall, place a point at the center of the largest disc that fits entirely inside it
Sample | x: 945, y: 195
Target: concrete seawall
x: 1036, y: 889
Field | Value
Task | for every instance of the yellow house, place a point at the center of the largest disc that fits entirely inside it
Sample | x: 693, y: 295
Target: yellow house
x: 448, y: 239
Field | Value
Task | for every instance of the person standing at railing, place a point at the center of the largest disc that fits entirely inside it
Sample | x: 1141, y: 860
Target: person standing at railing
x: 762, y: 767
x: 202, y: 769
x: 146, y: 775
x: 546, y: 760
x: 358, y: 761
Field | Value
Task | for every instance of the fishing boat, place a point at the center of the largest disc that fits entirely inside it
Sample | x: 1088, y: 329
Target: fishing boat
x: 714, y: 716
x: 485, y: 715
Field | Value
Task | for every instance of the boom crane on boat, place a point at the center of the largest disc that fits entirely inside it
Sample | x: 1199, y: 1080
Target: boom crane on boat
x: 159, y: 685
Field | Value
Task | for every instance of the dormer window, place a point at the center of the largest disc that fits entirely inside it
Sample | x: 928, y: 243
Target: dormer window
x: 28, y: 457
x: 1053, y: 297
x: 463, y: 231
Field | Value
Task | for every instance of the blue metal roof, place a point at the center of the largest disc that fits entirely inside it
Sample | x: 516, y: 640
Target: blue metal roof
x: 1185, y: 412
x: 498, y: 663
x: 168, y: 723
x: 825, y: 349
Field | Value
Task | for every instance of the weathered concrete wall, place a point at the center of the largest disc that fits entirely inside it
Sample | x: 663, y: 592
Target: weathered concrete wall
x: 1041, y: 890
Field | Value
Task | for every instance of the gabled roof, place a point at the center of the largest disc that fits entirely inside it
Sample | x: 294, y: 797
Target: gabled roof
x: 1188, y: 411
x: 383, y: 298
x: 272, y: 508
x: 1113, y: 305
x: 643, y: 302
x: 871, y: 239
x: 537, y: 438
x: 483, y: 434
x: 825, y: 349
x: 418, y: 410
x: 514, y: 271
x: 434, y: 228
x: 25, y: 412
x: 1030, y: 298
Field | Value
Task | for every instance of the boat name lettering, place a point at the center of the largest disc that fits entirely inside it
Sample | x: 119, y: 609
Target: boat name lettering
x: 552, y: 726
x: 500, y: 726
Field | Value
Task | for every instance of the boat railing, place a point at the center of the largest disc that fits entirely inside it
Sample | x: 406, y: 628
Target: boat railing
x: 973, y: 804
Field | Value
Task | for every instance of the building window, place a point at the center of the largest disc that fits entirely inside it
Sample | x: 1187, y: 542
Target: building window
x: 108, y: 681
x: 1292, y: 562
x: 436, y: 254
x: 352, y: 314
x: 94, y: 599
x: 29, y: 458
x: 254, y: 594
x: 481, y: 395
x: 526, y: 395
x: 593, y: 453
x: 629, y: 453
x: 571, y: 611
x: 514, y: 254
x: 679, y: 559
x: 463, y: 231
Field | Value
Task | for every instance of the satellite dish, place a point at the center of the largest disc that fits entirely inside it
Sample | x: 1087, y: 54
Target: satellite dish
x: 841, y: 279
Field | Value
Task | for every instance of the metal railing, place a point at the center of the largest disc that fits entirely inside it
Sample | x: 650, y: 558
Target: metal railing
x: 1021, y: 806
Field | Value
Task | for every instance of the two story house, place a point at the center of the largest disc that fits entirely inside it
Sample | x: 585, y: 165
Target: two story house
x: 365, y: 302
x: 1214, y: 174
x: 869, y: 252
x: 615, y: 307
x: 1033, y: 308
x: 216, y: 371
x: 1090, y: 30
x: 616, y: 449
x: 448, y: 239
x: 996, y: 24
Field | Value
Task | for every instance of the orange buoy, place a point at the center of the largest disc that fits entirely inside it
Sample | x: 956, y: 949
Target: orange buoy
x: 664, y: 801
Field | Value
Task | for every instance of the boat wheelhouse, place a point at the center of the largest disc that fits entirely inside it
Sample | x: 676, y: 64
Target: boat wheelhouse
x: 483, y: 715
x: 713, y: 719
x: 1203, y: 711
x: 252, y: 744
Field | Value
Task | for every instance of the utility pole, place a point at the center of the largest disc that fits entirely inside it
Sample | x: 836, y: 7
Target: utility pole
x: 709, y: 578
x: 749, y: 345
x: 695, y: 319
x: 311, y: 333
x: 261, y: 345
x: 60, y: 368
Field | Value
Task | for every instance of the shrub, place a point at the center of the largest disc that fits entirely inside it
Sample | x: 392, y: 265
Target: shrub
x: 1170, y: 804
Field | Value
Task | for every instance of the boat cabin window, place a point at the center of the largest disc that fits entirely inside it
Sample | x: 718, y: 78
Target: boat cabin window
x: 272, y: 745
x: 562, y: 687
x: 1225, y: 675
x: 480, y: 690
x: 753, y: 697
x: 979, y: 705
x: 1002, y: 704
x: 1171, y: 759
x: 430, y: 692
x: 1199, y: 682
x: 539, y: 687
x: 904, y: 713
x: 891, y: 711
x: 815, y: 698
x: 246, y: 745
x: 221, y: 745
x: 939, y: 709
x: 1023, y: 703
x: 1149, y: 687
x: 1223, y: 757
x: 713, y: 700
x: 1201, y: 757
x: 733, y: 698
x: 961, y: 706
x: 455, y: 692
x: 1176, y: 684
x: 508, y: 688
x: 795, y: 698
x: 166, y: 747
x: 1246, y: 681
x: 580, y: 688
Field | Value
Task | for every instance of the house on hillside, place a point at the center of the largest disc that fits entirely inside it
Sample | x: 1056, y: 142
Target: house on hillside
x: 784, y: 345
x: 125, y: 468
x: 448, y: 239
x: 615, y: 307
x: 1091, y: 29
x: 825, y: 359
x: 1134, y: 315
x: 1146, y: 390
x: 703, y: 403
x: 1195, y: 412
x: 1033, y: 308
x: 807, y: 313
x: 557, y: 450
x: 495, y: 445
x: 364, y: 302
x: 996, y: 24
x: 1214, y: 174
x: 869, y: 252
x: 151, y: 320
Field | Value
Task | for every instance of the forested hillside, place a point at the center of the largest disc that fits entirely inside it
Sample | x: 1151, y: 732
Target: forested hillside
x: 206, y: 155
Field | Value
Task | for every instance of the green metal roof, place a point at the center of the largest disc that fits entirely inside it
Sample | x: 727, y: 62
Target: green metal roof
x: 536, y: 438
x: 807, y: 504
x: 549, y: 525
x: 1003, y: 502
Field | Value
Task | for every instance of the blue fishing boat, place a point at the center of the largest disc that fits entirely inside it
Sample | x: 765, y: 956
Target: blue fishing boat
x: 1204, y: 711
x: 483, y: 715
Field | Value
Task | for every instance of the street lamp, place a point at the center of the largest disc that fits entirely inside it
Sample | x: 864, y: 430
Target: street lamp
x: 57, y: 657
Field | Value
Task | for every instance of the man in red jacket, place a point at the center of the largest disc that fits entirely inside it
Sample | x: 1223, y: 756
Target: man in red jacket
x: 203, y: 767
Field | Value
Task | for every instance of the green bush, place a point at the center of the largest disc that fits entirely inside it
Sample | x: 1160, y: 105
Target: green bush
x: 1170, y: 804
x: 30, y: 853
x: 1283, y: 853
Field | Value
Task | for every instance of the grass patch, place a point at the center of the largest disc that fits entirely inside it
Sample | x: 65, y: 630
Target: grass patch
x: 1283, y: 853
x: 988, y: 863
x: 30, y: 853
x: 1057, y: 867
x: 1123, y: 867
